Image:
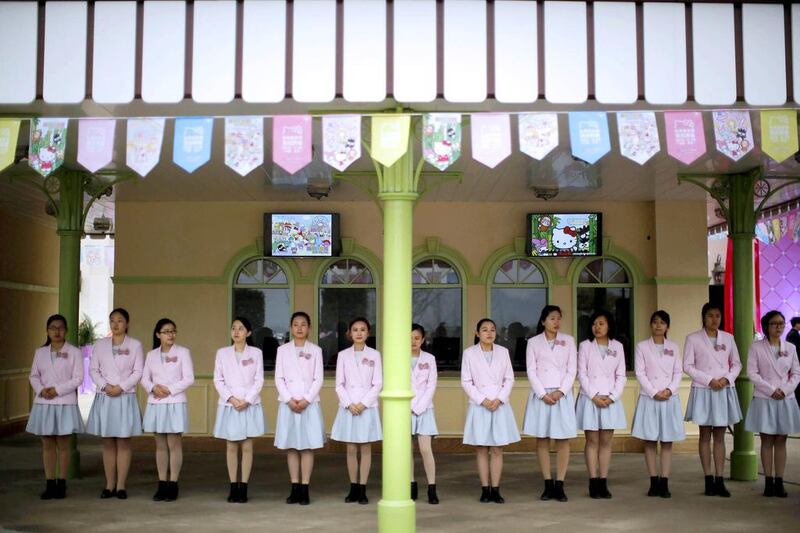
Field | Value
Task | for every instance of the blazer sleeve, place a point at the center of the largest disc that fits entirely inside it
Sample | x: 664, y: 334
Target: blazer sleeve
x: 341, y: 383
x: 508, y: 381
x: 793, y: 376
x: 187, y: 375
x: 136, y: 373
x: 254, y: 391
x: 572, y: 369
x: 641, y: 373
x: 760, y: 384
x: 677, y: 372
x: 620, y: 378
x: 734, y: 363
x: 426, y: 398
x: 35, y: 377
x: 147, y: 375
x: 94, y: 370
x: 377, y: 383
x: 689, y: 363
x: 530, y: 367
x: 468, y: 382
x: 75, y: 379
x: 318, y: 379
x: 583, y: 369
x: 219, y: 378
x: 280, y: 377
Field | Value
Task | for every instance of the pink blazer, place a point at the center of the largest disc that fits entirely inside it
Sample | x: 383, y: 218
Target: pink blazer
x: 65, y: 373
x: 298, y: 377
x: 657, y: 372
x: 548, y: 369
x: 768, y: 372
x: 423, y: 383
x: 124, y: 370
x: 605, y: 377
x: 703, y: 362
x: 483, y: 381
x: 243, y: 380
x: 359, y: 383
x: 175, y: 372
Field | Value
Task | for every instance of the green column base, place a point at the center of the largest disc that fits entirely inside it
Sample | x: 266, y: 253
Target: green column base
x: 74, y: 471
x: 744, y: 465
x: 397, y: 516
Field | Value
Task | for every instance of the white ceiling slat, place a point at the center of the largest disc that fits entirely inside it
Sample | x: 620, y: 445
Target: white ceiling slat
x: 163, y: 49
x: 214, y: 51
x: 18, y: 30
x: 65, y: 52
x: 465, y: 61
x: 314, y: 51
x: 665, y: 53
x: 615, y: 61
x: 264, y: 51
x: 114, y: 52
x: 764, y: 54
x: 364, y: 51
x: 414, y: 50
x: 566, y: 67
x: 714, y: 53
x: 516, y: 78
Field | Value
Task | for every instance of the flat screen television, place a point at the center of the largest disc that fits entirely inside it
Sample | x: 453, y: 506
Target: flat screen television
x: 564, y: 234
x: 301, y: 234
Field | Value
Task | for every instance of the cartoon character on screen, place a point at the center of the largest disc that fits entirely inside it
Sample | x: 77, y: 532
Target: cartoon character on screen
x: 583, y: 238
x: 544, y: 224
x: 565, y: 239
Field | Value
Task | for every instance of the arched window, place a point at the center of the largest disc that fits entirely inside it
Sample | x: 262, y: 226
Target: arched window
x: 261, y: 294
x: 347, y: 290
x: 518, y: 294
x: 606, y: 284
x: 437, y: 297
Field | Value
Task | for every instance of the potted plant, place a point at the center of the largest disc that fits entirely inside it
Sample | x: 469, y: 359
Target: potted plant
x: 87, y: 334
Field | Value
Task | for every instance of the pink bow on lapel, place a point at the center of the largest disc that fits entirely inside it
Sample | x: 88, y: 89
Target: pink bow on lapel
x: 126, y: 351
x: 246, y: 362
x: 719, y: 347
x: 668, y: 352
x: 612, y: 353
x: 62, y: 355
x: 173, y: 359
x: 304, y: 355
x: 368, y: 362
x: 559, y: 342
x: 423, y: 366
x: 783, y: 353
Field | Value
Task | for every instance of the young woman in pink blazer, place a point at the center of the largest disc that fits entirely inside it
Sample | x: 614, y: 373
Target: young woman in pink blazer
x: 299, y: 428
x: 116, y: 368
x: 601, y: 372
x: 551, y: 359
x: 359, y: 379
x: 423, y: 420
x: 239, y: 378
x: 487, y: 377
x: 775, y: 372
x: 658, y: 412
x: 711, y: 359
x: 56, y: 373
x: 168, y: 372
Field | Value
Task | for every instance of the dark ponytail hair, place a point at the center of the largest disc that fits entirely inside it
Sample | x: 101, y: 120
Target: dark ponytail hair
x: 663, y: 315
x: 50, y: 320
x: 418, y: 327
x: 249, y: 327
x: 612, y: 328
x: 122, y: 312
x: 765, y: 321
x: 706, y: 308
x: 160, y: 324
x: 359, y: 319
x: 545, y: 313
x: 301, y: 314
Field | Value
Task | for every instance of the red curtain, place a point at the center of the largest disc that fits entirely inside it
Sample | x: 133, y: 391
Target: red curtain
x: 728, y: 318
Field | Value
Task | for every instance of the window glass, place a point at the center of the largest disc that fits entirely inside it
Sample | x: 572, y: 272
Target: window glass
x: 436, y: 305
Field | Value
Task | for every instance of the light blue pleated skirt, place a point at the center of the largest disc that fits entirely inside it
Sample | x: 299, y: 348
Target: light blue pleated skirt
x: 773, y: 417
x: 658, y: 421
x: 239, y: 425
x: 550, y: 421
x: 708, y: 407
x: 490, y: 428
x: 48, y: 420
x: 360, y: 429
x: 424, y: 424
x: 300, y: 431
x: 166, y: 418
x: 117, y: 416
x: 592, y: 418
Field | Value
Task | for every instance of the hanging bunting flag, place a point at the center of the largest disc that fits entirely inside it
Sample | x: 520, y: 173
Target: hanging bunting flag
x: 588, y: 134
x: 192, y: 146
x: 95, y: 143
x: 145, y: 136
x: 48, y: 142
x: 491, y: 138
x: 733, y: 133
x: 389, y: 138
x: 341, y: 140
x: 9, y: 130
x: 686, y: 140
x: 538, y: 134
x: 638, y: 135
x: 291, y: 141
x: 244, y: 143
x: 762, y: 232
x: 776, y: 229
x: 441, y: 139
x: 779, y: 133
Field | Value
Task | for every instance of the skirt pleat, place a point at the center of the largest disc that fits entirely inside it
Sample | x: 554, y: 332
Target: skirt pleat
x: 299, y: 431
x: 708, y: 407
x: 236, y: 425
x: 116, y: 416
x: 166, y: 418
x: 550, y: 421
x: 773, y: 417
x: 359, y: 429
x: 47, y: 420
x: 593, y: 418
x: 424, y: 424
x: 655, y: 420
x: 490, y: 428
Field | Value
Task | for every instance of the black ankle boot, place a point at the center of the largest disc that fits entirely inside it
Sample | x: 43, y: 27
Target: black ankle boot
x: 780, y: 492
x: 242, y: 493
x: 769, y: 487
x: 352, y: 496
x: 548, y: 490
x: 558, y: 491
x: 160, y: 492
x: 663, y: 488
x: 593, y: 493
x: 172, y: 491
x: 362, y: 495
x: 602, y: 488
x: 719, y: 487
x: 711, y: 489
x: 653, y: 486
x: 294, y: 496
x: 304, y: 498
x: 61, y: 489
x: 486, y: 495
x: 433, y: 499
x: 494, y: 494
x: 414, y: 490
x: 49, y: 490
x: 233, y: 495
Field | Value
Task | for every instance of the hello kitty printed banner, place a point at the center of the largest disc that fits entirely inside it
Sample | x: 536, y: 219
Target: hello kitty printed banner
x: 538, y: 134
x: 588, y: 133
x: 9, y: 130
x: 95, y: 143
x: 733, y: 133
x: 341, y: 140
x: 47, y: 144
x: 491, y: 138
x: 291, y: 142
x: 441, y: 139
x: 192, y: 148
x: 638, y: 135
x: 779, y: 133
x: 686, y: 139
x: 145, y: 136
x: 244, y: 143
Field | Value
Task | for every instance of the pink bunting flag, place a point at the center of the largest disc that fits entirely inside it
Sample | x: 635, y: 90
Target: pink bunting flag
x: 491, y: 138
x: 733, y: 133
x: 291, y: 141
x: 686, y: 139
x: 95, y: 143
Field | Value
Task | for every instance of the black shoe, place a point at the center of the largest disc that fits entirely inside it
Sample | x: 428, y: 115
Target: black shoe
x: 233, y: 495
x: 49, y: 490
x: 602, y: 488
x: 161, y: 492
x: 711, y: 490
x: 548, y: 490
x: 362, y: 495
x: 486, y: 495
x: 494, y: 493
x: 558, y: 491
x: 61, y: 489
x: 304, y: 499
x: 593, y: 492
x: 433, y: 499
x: 769, y: 486
x: 780, y: 492
x: 294, y: 496
x: 654, y: 486
x: 172, y: 491
x: 414, y: 490
x: 242, y: 493
x: 719, y: 487
x: 108, y: 494
x: 663, y: 488
x: 352, y: 496
x: 122, y: 494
